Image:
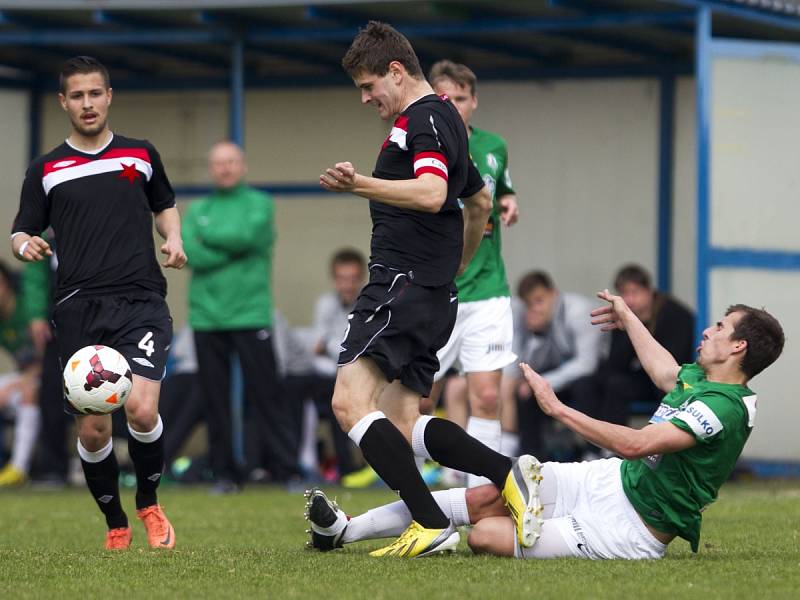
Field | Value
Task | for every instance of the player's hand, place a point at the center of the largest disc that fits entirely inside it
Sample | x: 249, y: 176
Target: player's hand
x: 33, y: 249
x: 339, y: 178
x: 40, y: 333
x: 173, y: 250
x: 545, y: 396
x: 610, y: 317
x: 509, y: 209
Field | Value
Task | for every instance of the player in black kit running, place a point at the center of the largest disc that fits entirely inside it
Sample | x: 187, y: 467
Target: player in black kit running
x: 98, y: 191
x: 407, y: 310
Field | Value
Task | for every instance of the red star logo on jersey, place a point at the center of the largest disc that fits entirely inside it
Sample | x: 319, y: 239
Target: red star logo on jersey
x: 129, y: 172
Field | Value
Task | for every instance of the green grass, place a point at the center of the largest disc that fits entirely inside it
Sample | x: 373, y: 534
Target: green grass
x: 251, y: 545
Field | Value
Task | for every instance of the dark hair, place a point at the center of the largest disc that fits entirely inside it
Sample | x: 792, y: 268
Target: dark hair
x: 532, y: 280
x: 347, y: 256
x: 456, y: 72
x: 764, y: 337
x: 377, y: 45
x: 82, y: 65
x: 633, y: 274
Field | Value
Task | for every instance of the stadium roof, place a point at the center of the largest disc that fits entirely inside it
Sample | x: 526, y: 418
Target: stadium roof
x: 192, y: 43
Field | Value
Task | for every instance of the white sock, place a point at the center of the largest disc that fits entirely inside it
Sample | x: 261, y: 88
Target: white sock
x: 308, y: 444
x: 488, y: 432
x: 147, y: 437
x: 98, y: 455
x: 390, y: 520
x: 359, y: 429
x: 509, y: 444
x: 26, y: 428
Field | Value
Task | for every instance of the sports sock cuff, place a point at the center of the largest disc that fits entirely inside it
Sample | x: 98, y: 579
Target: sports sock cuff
x: 418, y: 436
x: 487, y: 431
x: 95, y: 457
x: 458, y: 506
x: 147, y: 437
x: 359, y: 429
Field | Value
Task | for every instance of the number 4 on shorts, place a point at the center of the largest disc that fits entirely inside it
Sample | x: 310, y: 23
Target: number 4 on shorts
x: 146, y: 344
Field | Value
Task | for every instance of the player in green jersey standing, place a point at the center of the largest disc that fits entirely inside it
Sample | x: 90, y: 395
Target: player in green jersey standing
x: 481, y: 340
x: 671, y: 470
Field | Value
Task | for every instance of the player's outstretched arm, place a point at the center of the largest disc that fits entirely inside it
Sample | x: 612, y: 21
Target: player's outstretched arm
x: 660, y: 438
x: 168, y: 224
x: 29, y: 248
x: 477, y: 209
x: 425, y: 193
x: 661, y: 366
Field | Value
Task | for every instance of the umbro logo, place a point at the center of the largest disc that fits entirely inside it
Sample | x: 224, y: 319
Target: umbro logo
x: 143, y: 361
x: 105, y: 499
x: 154, y: 477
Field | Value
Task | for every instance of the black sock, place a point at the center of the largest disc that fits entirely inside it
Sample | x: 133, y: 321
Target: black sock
x: 148, y: 460
x: 452, y: 447
x: 388, y: 452
x: 103, y: 481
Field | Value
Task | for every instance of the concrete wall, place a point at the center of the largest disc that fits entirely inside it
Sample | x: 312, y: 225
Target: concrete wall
x: 583, y: 158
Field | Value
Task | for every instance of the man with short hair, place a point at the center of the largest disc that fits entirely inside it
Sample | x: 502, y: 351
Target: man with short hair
x: 230, y: 236
x: 420, y: 240
x: 671, y: 470
x: 621, y: 379
x: 551, y: 332
x: 481, y: 342
x: 98, y: 190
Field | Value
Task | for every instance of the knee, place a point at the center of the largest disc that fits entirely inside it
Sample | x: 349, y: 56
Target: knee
x: 143, y: 416
x: 484, y: 501
x: 94, y: 433
x: 343, y: 410
x: 487, y: 403
x: 480, y: 539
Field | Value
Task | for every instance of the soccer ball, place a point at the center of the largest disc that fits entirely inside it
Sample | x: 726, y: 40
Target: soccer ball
x: 97, y: 380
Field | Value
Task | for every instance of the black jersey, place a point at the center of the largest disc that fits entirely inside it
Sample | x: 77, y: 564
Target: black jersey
x: 100, y: 206
x: 427, y: 137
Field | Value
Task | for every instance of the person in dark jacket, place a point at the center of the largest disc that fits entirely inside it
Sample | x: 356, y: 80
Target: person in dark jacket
x: 230, y: 236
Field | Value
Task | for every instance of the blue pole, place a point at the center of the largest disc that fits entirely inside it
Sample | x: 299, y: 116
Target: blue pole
x: 703, y: 91
x: 237, y: 92
x: 666, y: 143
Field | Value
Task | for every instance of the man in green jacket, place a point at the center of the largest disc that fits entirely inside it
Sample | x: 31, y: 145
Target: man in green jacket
x: 230, y: 236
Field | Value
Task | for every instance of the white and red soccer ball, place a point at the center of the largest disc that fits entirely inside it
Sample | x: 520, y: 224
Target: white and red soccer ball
x: 97, y: 380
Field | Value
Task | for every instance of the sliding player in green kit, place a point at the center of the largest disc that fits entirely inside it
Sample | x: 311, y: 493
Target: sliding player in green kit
x: 671, y: 470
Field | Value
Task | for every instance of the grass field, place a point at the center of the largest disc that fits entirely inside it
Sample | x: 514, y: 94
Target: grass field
x: 251, y: 545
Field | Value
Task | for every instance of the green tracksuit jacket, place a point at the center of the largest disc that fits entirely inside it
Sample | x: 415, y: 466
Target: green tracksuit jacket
x: 228, y: 238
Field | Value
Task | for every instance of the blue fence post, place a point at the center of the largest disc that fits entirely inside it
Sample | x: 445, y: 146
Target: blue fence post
x: 666, y: 155
x: 703, y: 91
x: 236, y: 107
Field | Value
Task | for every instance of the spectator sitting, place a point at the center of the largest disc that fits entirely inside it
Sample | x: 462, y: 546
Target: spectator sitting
x: 19, y: 389
x: 553, y: 333
x: 621, y: 378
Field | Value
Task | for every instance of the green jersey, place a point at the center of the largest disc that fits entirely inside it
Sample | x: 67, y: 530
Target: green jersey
x: 670, y: 491
x: 485, y: 276
x: 14, y: 334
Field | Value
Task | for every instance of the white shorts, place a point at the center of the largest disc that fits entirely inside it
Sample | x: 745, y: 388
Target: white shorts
x: 594, y: 516
x: 481, y: 338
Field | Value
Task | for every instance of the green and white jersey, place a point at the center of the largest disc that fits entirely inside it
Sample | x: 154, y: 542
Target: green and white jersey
x: 670, y: 491
x: 485, y: 276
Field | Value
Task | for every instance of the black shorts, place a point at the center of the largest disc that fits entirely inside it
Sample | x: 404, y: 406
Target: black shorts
x: 401, y: 326
x: 137, y: 324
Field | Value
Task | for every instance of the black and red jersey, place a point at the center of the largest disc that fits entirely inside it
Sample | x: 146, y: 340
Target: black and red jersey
x: 427, y: 137
x: 100, y: 206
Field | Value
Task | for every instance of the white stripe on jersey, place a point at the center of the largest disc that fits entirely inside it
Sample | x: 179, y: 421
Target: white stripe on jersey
x: 398, y: 136
x: 433, y: 163
x: 96, y: 167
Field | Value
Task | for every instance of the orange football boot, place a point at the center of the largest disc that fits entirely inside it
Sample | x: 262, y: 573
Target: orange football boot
x: 118, y: 539
x: 160, y: 533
